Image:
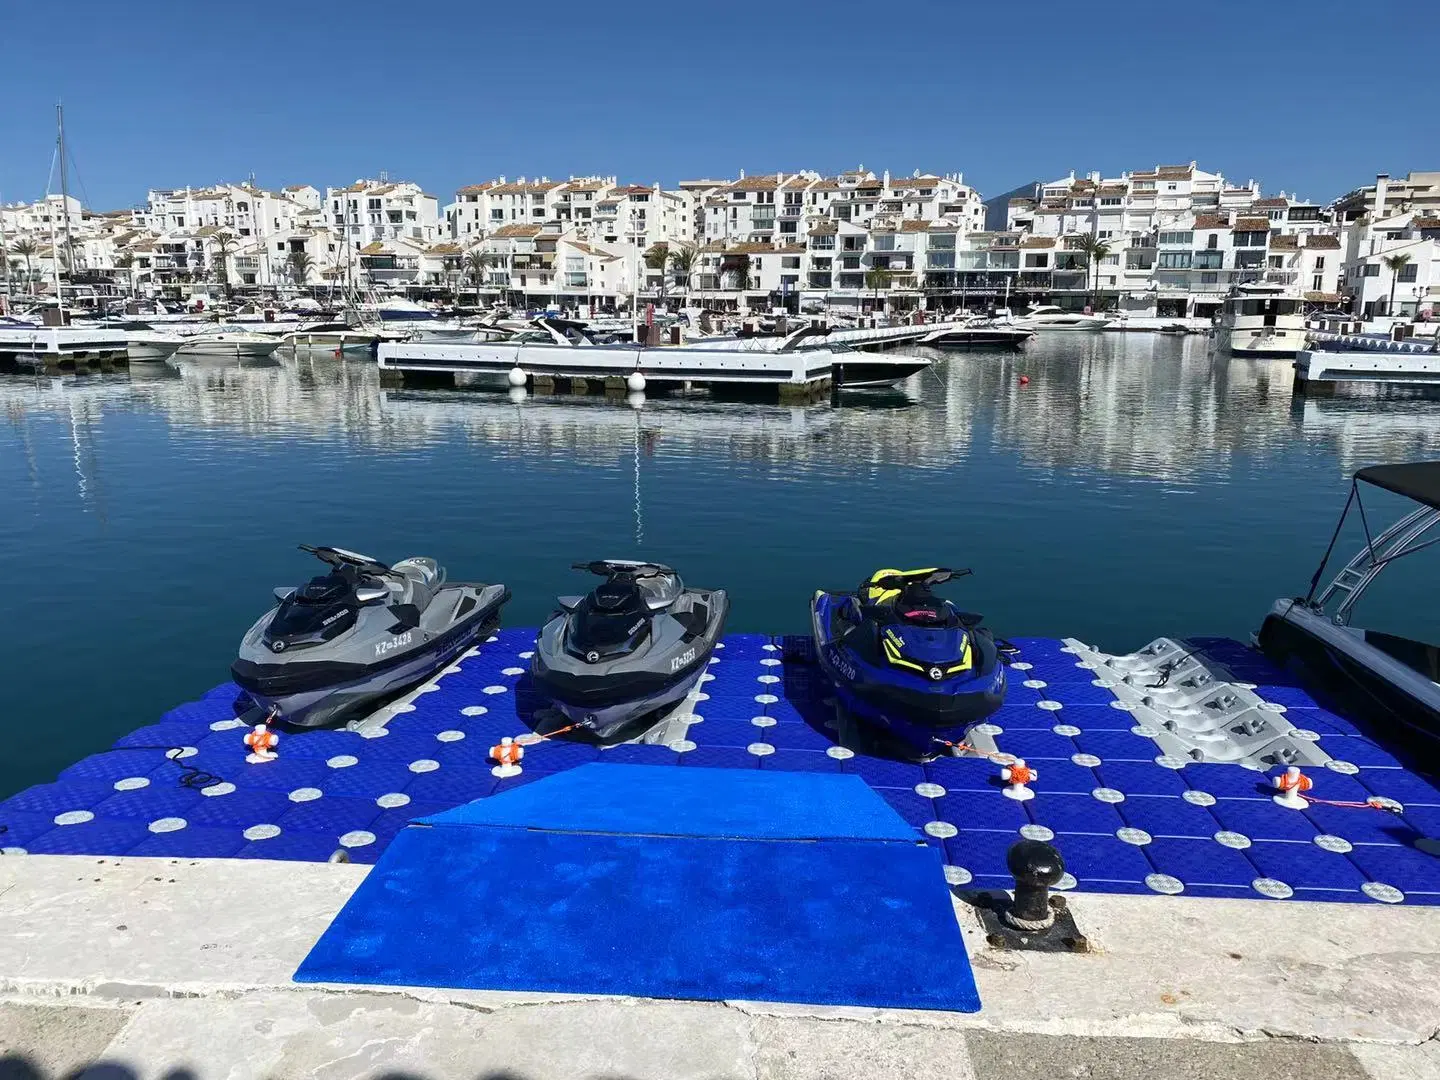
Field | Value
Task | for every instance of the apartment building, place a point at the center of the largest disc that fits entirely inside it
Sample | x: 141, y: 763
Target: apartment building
x: 371, y: 211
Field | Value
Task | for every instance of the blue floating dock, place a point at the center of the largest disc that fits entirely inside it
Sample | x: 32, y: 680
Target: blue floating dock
x: 339, y: 789
x: 646, y: 881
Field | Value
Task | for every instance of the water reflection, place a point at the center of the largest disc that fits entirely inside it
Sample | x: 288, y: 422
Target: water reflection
x: 1126, y: 406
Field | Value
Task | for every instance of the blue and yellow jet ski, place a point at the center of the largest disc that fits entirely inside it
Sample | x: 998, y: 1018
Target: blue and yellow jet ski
x: 907, y: 661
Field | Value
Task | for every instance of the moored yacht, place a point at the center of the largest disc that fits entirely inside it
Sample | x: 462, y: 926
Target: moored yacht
x: 239, y: 344
x: 331, y: 335
x: 1050, y: 317
x: 1385, y: 677
x: 1262, y: 319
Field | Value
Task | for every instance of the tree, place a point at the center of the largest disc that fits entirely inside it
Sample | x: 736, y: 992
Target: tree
x: 740, y: 267
x: 1394, y: 263
x: 656, y: 256
x: 877, y: 278
x: 682, y: 262
x: 25, y: 248
x: 476, y: 263
x: 1096, y: 251
x: 223, y: 244
x: 299, y: 264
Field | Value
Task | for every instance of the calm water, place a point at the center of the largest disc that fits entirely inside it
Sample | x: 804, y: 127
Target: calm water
x: 1138, y: 486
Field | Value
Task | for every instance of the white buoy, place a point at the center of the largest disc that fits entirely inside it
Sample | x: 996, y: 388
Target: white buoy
x: 635, y: 381
x: 517, y: 376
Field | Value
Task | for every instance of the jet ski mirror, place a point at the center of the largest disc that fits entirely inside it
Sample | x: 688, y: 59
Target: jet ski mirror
x: 338, y: 557
x: 284, y: 592
x: 368, y: 594
x: 937, y: 576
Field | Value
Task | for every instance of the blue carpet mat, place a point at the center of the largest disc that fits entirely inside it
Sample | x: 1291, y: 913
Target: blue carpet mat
x: 478, y: 905
x: 714, y: 803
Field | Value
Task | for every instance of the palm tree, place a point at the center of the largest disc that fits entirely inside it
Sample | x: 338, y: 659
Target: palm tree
x: 877, y: 278
x: 25, y: 248
x: 1095, y: 250
x: 223, y: 243
x: 1394, y: 263
x: 682, y: 262
x: 656, y: 256
x: 740, y: 267
x: 299, y: 264
x: 476, y: 263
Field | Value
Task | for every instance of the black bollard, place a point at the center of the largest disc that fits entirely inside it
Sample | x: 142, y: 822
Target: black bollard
x: 1036, y: 866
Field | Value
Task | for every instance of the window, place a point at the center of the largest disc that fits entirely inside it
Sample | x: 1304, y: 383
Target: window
x: 790, y: 262
x: 1036, y: 261
x: 1317, y: 283
x: 1209, y: 278
x: 1394, y: 234
x: 280, y: 246
x: 1319, y: 262
x: 1178, y: 239
x: 1214, y: 241
x: 1277, y: 262
x: 1208, y: 260
x: 1111, y: 201
x: 942, y: 242
x: 1174, y: 260
x: 850, y: 262
x: 1407, y: 272
x: 372, y: 204
x: 1169, y: 187
x: 1372, y: 269
x: 1251, y: 239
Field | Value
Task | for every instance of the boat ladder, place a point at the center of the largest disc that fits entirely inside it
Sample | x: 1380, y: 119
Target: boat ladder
x: 1364, y: 567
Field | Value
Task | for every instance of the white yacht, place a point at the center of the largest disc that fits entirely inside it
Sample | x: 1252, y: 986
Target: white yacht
x: 331, y: 336
x: 1050, y: 317
x: 1264, y: 320
x: 239, y: 344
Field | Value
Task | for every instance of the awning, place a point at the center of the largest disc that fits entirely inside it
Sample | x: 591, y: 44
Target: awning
x: 1418, y: 480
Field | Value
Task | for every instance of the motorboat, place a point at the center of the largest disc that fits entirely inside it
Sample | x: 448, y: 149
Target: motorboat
x: 1385, y: 677
x: 1262, y: 319
x: 630, y: 649
x: 911, y: 666
x: 1050, y: 317
x: 361, y: 632
x: 849, y: 366
x: 331, y: 336
x: 151, y: 345
x: 222, y: 342
x: 977, y: 334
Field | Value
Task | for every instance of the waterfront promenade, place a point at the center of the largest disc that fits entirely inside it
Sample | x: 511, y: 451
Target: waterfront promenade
x: 172, y: 968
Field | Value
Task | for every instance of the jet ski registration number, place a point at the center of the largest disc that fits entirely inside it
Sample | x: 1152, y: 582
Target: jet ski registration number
x: 383, y: 647
x: 680, y: 661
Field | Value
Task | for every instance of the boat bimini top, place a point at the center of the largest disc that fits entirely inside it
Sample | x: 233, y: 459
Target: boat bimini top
x: 1418, y: 481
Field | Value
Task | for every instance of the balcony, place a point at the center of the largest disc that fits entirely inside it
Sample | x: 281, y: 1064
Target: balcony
x: 819, y: 281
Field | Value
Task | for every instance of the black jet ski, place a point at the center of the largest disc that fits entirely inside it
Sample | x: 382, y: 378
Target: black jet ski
x: 630, y: 649
x: 906, y: 661
x: 359, y: 633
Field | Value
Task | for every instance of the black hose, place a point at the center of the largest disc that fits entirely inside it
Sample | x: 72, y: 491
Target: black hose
x: 191, y: 776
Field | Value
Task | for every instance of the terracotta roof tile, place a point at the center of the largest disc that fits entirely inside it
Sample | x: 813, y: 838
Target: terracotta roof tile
x: 915, y: 225
x: 1323, y: 243
x: 1425, y: 223
x: 824, y: 228
x: 1214, y: 221
x: 444, y: 249
x: 1284, y: 243
x: 476, y: 189
x: 829, y: 183
x: 516, y: 230
x: 1252, y: 224
x: 1175, y: 172
x: 627, y: 190
x: 1323, y: 297
x: 373, y: 248
x: 1038, y: 242
x: 755, y: 183
x: 1276, y: 203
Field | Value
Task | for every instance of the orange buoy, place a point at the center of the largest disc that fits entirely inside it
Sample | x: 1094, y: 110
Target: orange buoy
x: 1016, y: 775
x: 506, y: 755
x: 1290, y: 784
x: 1024, y: 380
x: 262, y: 742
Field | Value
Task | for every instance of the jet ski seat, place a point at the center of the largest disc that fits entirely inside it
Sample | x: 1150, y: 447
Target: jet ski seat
x: 419, y: 580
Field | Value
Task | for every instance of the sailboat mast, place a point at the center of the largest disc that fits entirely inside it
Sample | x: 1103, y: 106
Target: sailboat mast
x: 64, y: 183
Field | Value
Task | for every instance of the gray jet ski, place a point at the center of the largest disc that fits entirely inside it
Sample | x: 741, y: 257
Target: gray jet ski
x: 358, y: 634
x: 629, y: 650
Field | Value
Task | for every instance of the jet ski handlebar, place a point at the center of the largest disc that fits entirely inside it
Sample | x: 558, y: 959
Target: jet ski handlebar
x: 616, y: 567
x: 338, y: 557
x: 936, y: 576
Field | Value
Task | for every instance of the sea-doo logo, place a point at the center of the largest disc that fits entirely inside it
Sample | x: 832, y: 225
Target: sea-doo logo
x: 636, y: 627
x: 394, y: 643
x: 332, y: 618
x: 936, y: 674
x: 277, y: 646
x: 591, y: 657
x: 681, y: 660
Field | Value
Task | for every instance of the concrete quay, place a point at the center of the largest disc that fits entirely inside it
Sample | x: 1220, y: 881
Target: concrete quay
x: 140, y: 968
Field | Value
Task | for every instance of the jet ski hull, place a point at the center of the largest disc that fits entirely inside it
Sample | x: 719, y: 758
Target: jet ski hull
x: 925, y: 717
x: 327, y: 690
x: 617, y: 697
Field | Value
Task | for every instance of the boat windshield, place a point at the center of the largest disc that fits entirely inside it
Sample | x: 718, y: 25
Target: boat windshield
x: 1264, y: 305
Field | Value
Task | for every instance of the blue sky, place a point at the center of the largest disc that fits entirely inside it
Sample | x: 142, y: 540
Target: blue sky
x: 1299, y: 95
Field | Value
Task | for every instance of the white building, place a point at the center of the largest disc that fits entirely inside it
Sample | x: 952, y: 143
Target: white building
x: 370, y: 211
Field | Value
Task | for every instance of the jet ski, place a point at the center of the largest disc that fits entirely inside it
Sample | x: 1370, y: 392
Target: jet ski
x: 907, y: 662
x: 359, y: 633
x: 633, y: 647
